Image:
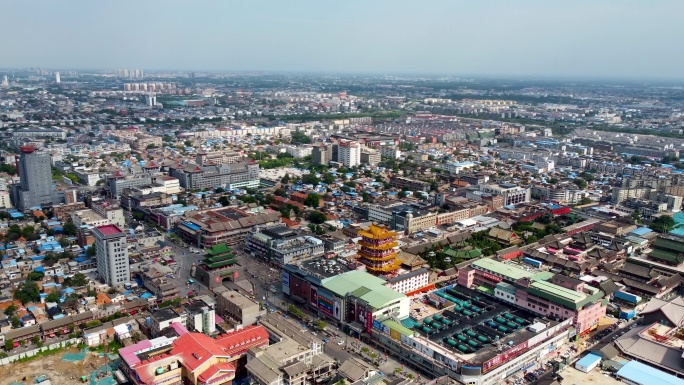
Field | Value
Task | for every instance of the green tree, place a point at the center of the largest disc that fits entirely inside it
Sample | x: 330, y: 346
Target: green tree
x: 35, y: 276
x: 317, y: 217
x: 585, y: 201
x: 285, y: 178
x: 52, y: 297
x: 27, y: 292
x: 663, y: 224
x: 328, y: 178
x: 187, y: 143
x: 64, y: 242
x: 91, y: 252
x: 79, y: 279
x: 10, y: 310
x: 9, y: 344
x: 69, y: 228
x: 16, y: 322
x: 310, y: 178
x: 224, y: 201
x: 581, y: 183
x: 312, y: 200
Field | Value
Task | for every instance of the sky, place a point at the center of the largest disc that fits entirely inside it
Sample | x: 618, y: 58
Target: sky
x: 563, y: 38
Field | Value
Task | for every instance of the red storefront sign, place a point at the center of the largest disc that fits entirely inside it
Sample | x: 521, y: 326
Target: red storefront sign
x: 503, y: 357
x: 491, y: 277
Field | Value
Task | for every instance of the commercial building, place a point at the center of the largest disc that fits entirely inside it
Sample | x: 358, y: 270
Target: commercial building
x: 479, y: 340
x: 236, y: 308
x: 410, y: 184
x: 230, y: 176
x: 370, y: 157
x: 191, y: 358
x: 35, y: 187
x: 39, y: 132
x: 553, y: 296
x: 206, y: 228
x: 343, y: 295
x: 349, y: 153
x: 201, y: 316
x: 118, y: 182
x: 637, y: 373
x: 280, y: 245
x: 512, y: 193
x: 321, y: 154
x: 411, y: 282
x: 112, y: 255
x: 296, y: 358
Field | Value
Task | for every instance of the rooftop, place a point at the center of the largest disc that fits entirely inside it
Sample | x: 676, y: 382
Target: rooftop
x: 643, y: 374
x: 364, y: 286
x: 502, y: 269
x: 107, y: 230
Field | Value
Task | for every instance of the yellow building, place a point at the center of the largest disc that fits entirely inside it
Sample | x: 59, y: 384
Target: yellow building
x: 378, y: 250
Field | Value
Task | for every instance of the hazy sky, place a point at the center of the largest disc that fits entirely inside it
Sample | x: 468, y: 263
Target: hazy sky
x: 621, y: 38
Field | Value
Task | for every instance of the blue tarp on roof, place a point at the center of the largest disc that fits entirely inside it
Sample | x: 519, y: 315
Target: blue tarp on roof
x: 146, y: 295
x: 639, y: 373
x: 16, y: 215
x: 39, y: 269
x: 191, y: 225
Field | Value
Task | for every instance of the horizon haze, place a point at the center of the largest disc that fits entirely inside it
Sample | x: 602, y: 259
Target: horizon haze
x: 581, y: 39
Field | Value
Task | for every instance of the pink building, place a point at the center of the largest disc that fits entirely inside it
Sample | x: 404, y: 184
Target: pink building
x: 557, y: 296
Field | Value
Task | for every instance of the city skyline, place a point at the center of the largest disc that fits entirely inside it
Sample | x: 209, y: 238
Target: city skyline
x: 528, y: 38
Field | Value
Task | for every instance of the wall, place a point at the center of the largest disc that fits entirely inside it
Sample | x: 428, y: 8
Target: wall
x: 31, y: 353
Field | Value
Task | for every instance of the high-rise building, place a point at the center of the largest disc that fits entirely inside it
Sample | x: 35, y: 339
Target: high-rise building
x: 320, y: 155
x: 35, y: 187
x: 57, y: 78
x: 111, y: 253
x: 5, y: 81
x: 151, y: 100
x: 349, y: 153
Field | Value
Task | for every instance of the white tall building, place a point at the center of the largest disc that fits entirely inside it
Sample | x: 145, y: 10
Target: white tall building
x: 349, y: 153
x: 112, y: 255
x: 5, y: 81
x: 151, y: 100
x: 57, y: 79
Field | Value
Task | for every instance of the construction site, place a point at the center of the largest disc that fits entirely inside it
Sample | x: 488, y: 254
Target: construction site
x: 69, y: 366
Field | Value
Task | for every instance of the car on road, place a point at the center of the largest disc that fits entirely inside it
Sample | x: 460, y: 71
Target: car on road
x: 340, y: 342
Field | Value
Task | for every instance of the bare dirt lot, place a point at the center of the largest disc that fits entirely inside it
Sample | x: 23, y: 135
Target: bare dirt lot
x: 61, y: 368
x: 572, y: 376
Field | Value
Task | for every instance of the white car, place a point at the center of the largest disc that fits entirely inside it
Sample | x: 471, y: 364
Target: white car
x: 340, y: 342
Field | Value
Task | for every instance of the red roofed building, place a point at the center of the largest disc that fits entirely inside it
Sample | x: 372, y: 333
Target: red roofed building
x: 193, y: 358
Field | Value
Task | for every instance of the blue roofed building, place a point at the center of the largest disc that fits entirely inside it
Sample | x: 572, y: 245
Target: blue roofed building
x: 636, y: 373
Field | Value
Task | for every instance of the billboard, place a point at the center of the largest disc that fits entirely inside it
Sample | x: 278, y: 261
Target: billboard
x: 326, y: 303
x: 286, y: 282
x: 314, y: 297
x: 503, y: 357
x: 365, y: 318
